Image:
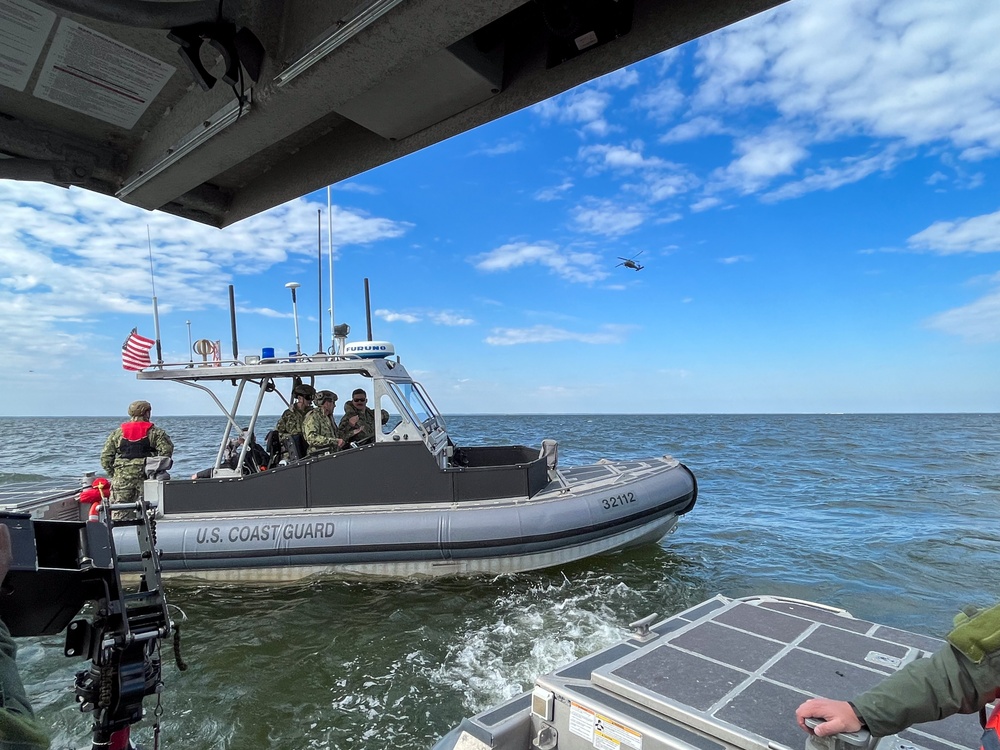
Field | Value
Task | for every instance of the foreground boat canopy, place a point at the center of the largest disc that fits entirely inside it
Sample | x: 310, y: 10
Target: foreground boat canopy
x: 217, y: 111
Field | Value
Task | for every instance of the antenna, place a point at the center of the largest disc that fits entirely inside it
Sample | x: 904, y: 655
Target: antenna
x: 293, y: 285
x: 329, y: 230
x: 156, y: 312
x: 232, y: 320
x: 319, y: 275
x: 368, y: 309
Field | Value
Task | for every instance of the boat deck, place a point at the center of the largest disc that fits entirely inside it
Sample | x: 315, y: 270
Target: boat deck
x: 54, y: 497
x: 725, y: 674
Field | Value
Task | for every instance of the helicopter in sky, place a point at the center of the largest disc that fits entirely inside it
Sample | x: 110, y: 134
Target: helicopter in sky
x: 631, y: 262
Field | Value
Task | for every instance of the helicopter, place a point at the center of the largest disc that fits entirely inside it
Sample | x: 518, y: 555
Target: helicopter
x: 630, y: 262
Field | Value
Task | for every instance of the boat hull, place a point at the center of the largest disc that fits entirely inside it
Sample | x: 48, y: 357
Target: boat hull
x: 585, y: 511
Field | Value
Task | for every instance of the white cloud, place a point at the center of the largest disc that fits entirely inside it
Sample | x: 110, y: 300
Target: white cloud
x: 602, y: 157
x: 390, y: 316
x: 916, y: 71
x: 662, y: 186
x: 501, y: 147
x: 761, y: 159
x: 618, y: 79
x: 977, y: 322
x: 850, y: 169
x: 662, y: 101
x: 439, y: 317
x: 706, y: 203
x: 980, y: 234
x: 579, y: 267
x: 69, y: 256
x: 447, y: 318
x: 584, y: 106
x: 357, y: 187
x: 554, y: 193
x: 732, y: 259
x: 608, y: 218
x: 696, y: 127
x: 545, y: 334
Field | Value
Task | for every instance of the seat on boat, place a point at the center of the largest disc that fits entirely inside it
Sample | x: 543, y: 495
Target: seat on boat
x: 258, y: 459
x: 295, y: 446
x: 272, y: 444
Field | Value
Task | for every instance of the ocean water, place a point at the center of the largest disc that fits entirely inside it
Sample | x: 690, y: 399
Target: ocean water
x: 892, y: 517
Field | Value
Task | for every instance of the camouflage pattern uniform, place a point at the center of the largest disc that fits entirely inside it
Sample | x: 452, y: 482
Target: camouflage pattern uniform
x: 320, y: 433
x: 960, y: 678
x: 128, y: 474
x: 291, y: 421
x: 366, y: 421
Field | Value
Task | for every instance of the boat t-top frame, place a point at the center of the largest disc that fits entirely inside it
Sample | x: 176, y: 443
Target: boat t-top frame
x: 413, y: 417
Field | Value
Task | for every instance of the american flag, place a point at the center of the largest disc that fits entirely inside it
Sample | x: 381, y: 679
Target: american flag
x: 135, y: 351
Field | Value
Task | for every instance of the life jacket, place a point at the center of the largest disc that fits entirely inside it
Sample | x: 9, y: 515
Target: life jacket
x: 135, y: 440
x: 991, y: 731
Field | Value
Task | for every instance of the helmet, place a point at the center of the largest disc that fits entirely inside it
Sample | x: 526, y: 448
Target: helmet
x: 325, y: 396
x: 305, y: 390
x: 138, y: 408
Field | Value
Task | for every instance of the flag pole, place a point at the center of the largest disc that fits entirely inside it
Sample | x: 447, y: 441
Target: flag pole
x: 156, y: 312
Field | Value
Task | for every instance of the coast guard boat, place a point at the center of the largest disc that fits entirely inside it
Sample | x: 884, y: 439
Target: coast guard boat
x: 726, y: 674
x: 411, y: 503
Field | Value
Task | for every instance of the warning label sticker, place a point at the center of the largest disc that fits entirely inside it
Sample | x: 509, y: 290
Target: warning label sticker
x: 24, y: 27
x: 603, y: 733
x: 94, y: 74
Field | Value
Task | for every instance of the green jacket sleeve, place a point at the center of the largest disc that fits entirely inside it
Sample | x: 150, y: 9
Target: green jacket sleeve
x: 18, y: 728
x: 161, y: 442
x: 110, y: 450
x: 929, y: 689
x: 319, y: 436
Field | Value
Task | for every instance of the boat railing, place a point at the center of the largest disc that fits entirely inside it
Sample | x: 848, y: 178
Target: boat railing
x: 253, y: 360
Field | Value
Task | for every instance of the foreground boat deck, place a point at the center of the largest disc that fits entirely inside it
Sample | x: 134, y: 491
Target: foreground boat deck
x: 724, y: 674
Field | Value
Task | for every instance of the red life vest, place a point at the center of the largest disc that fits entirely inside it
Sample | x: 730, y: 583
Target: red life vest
x: 135, y: 440
x: 991, y: 733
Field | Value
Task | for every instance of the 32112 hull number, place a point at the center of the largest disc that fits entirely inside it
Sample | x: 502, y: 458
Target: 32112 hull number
x: 614, y: 501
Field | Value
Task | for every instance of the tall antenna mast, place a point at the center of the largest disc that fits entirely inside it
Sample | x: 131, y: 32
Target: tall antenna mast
x: 329, y: 224
x: 293, y: 285
x: 156, y: 312
x: 319, y: 275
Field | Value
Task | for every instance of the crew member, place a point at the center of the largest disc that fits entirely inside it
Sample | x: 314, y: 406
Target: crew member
x: 127, y: 448
x: 962, y: 677
x: 291, y: 421
x: 319, y: 430
x: 358, y: 422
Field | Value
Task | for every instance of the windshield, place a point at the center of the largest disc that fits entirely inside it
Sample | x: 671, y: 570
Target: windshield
x: 420, y: 411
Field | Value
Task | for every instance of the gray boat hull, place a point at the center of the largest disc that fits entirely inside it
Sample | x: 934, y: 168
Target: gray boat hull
x: 583, y: 511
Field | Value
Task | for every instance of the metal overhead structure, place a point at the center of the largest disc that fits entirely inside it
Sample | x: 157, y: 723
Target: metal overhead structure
x: 215, y: 110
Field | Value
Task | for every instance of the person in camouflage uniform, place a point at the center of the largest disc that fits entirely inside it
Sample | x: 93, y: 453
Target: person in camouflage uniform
x: 962, y: 677
x: 291, y: 421
x: 319, y: 430
x: 358, y: 422
x: 127, y: 448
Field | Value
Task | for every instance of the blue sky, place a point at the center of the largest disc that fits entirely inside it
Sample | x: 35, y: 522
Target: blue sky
x: 813, y: 193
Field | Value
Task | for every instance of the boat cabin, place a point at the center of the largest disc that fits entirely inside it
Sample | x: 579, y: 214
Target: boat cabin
x: 412, y: 458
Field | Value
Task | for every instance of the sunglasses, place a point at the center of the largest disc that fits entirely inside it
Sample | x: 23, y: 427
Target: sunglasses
x: 360, y: 400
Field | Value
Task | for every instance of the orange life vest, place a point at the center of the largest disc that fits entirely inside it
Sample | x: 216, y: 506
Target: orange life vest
x: 135, y: 440
x: 991, y: 731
